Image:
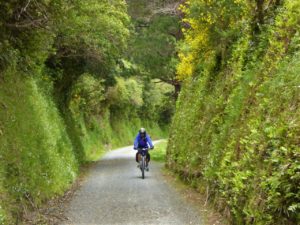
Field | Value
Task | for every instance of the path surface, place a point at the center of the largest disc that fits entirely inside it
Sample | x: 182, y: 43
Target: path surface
x: 114, y: 193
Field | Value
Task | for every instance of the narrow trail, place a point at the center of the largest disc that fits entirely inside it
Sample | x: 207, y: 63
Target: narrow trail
x: 114, y: 193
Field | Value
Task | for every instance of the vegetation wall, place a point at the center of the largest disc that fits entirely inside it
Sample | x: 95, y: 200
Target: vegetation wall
x: 235, y: 134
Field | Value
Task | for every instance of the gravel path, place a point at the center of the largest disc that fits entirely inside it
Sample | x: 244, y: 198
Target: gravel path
x: 114, y: 193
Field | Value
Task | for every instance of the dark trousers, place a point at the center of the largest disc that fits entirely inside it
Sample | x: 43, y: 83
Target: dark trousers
x: 147, y: 157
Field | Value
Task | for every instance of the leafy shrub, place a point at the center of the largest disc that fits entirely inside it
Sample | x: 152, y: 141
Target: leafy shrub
x: 87, y: 95
x: 127, y: 93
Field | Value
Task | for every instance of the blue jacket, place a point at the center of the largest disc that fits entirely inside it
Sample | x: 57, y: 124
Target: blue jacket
x: 140, y: 143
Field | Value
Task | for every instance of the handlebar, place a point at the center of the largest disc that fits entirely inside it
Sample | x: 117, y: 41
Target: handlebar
x: 142, y: 149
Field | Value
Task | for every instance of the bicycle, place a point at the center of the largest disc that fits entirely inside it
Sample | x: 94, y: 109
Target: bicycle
x: 142, y: 160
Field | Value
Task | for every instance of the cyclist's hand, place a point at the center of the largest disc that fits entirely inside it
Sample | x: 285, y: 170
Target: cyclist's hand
x: 135, y: 148
x: 152, y: 147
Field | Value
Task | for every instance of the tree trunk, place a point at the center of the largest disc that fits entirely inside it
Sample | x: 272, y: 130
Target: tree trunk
x: 259, y: 16
x: 260, y: 11
x: 177, y: 88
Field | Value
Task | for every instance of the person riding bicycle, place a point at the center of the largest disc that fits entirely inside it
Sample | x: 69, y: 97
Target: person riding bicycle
x: 143, y: 140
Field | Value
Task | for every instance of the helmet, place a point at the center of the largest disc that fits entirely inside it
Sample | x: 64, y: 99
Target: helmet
x: 142, y: 132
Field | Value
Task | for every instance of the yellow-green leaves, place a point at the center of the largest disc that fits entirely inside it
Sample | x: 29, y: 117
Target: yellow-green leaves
x: 212, y: 26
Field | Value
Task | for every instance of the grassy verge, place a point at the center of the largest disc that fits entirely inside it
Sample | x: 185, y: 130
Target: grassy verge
x: 190, y: 194
x: 199, y: 201
x: 159, y: 152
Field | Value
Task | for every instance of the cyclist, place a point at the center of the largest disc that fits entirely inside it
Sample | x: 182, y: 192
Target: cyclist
x: 143, y: 140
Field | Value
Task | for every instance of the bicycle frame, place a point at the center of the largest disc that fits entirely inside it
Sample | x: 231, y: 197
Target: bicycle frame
x: 142, y: 160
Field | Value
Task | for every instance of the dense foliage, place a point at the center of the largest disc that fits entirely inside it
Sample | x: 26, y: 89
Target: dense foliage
x: 235, y: 135
x: 152, y: 47
x: 79, y: 77
x: 66, y: 95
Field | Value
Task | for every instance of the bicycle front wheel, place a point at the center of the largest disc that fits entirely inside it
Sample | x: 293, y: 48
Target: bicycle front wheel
x: 143, y: 167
